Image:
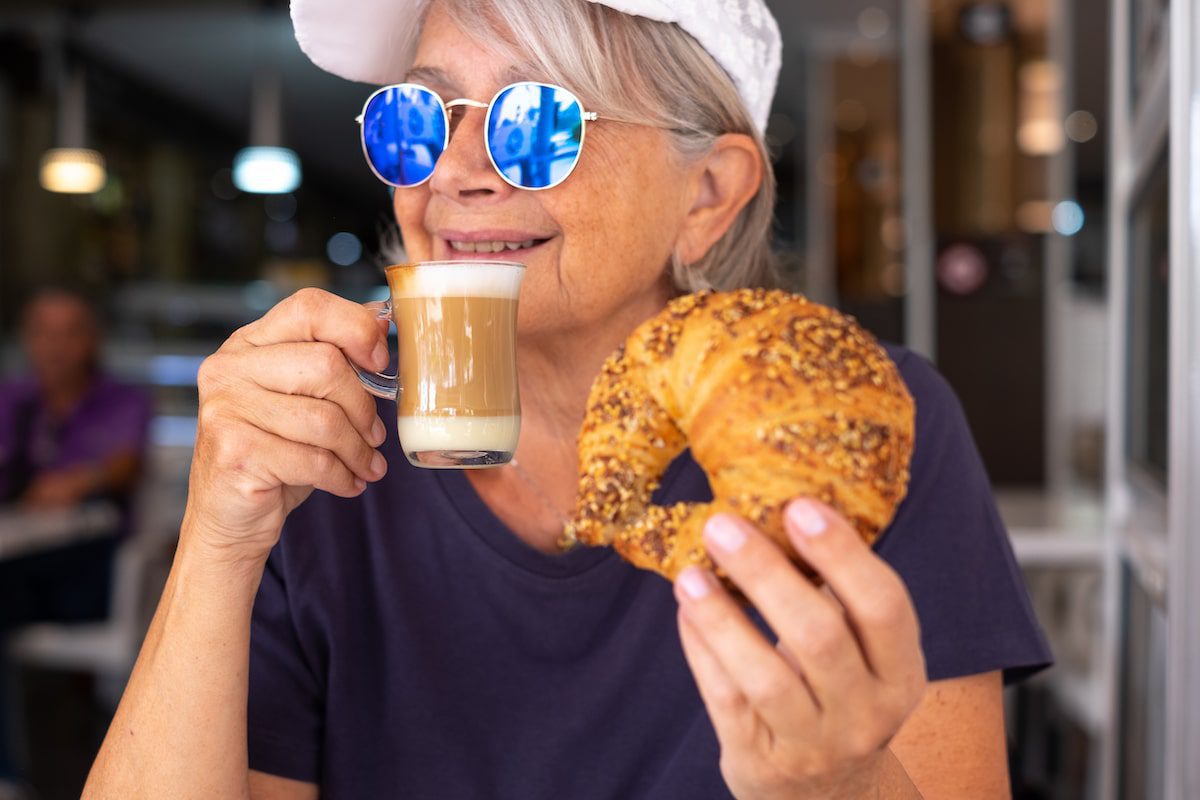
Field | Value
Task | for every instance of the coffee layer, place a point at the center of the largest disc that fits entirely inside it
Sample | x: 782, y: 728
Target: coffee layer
x: 457, y: 356
x: 461, y: 280
x: 498, y: 434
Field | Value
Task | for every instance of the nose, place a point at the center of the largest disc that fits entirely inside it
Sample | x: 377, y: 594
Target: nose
x: 464, y: 172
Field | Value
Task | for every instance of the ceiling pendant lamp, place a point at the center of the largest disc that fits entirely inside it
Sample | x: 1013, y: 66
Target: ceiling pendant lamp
x: 72, y: 168
x: 265, y: 167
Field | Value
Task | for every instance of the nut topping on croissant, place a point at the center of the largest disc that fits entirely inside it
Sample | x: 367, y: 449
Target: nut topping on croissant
x: 776, y: 396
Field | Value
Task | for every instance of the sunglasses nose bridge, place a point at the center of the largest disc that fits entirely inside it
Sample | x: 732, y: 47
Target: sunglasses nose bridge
x: 465, y: 167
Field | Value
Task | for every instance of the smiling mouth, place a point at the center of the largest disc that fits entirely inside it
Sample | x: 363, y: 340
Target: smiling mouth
x: 493, y: 246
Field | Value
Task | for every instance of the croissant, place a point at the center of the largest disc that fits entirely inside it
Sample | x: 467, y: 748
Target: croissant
x: 775, y: 395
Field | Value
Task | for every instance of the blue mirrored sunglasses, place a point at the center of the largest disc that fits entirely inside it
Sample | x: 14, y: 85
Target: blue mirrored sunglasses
x: 533, y: 133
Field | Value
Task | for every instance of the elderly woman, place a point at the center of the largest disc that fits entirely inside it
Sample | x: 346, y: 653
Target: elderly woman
x: 417, y: 633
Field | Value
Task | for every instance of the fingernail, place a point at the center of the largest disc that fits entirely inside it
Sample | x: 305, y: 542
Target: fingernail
x: 723, y: 532
x: 694, y: 583
x: 359, y: 484
x: 380, y: 356
x: 378, y: 465
x: 806, y: 517
x: 378, y: 433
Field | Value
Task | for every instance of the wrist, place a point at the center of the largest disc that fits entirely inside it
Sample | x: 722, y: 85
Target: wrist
x: 210, y: 547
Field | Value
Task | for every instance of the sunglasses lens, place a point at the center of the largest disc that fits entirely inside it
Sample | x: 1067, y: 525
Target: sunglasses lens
x: 534, y: 134
x: 404, y: 133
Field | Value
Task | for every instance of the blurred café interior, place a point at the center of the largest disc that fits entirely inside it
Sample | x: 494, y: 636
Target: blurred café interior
x: 1011, y: 187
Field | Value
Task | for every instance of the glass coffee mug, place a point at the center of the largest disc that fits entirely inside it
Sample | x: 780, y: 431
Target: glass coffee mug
x: 456, y: 387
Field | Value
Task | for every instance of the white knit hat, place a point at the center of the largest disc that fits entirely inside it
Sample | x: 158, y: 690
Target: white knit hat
x: 375, y: 40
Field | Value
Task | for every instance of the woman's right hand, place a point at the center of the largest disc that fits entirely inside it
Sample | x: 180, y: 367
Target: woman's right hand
x: 282, y: 413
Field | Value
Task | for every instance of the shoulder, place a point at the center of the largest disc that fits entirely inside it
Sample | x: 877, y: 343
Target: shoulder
x: 929, y: 389
x: 943, y: 435
x: 948, y: 543
x: 948, y: 485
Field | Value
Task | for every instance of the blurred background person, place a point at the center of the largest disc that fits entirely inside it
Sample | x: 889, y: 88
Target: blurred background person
x: 69, y: 434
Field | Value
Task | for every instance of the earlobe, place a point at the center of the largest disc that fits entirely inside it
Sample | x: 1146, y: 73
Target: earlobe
x: 726, y: 180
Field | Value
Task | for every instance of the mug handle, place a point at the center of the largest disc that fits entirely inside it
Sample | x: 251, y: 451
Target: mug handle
x: 379, y: 383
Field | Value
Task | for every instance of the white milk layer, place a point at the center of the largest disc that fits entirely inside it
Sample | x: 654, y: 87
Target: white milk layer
x: 498, y: 434
x: 461, y: 279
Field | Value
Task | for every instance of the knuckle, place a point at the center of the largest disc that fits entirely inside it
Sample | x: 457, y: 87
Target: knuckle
x: 717, y: 617
x: 308, y: 300
x: 209, y: 376
x: 885, y: 608
x: 228, y: 449
x: 245, y: 483
x: 212, y: 414
x: 363, y: 409
x: 366, y: 332
x: 727, y: 698
x: 766, y: 688
x: 328, y: 358
x: 823, y: 641
x: 324, y: 422
x: 863, y: 741
x: 325, y: 464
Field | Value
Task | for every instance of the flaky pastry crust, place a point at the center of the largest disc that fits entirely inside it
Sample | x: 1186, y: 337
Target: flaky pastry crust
x: 776, y: 396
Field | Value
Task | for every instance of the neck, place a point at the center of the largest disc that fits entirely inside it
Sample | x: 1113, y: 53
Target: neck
x: 555, y: 380
x: 556, y: 373
x: 557, y: 369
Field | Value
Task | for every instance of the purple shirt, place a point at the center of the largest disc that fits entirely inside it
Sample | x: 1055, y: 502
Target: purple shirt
x: 111, y: 418
x: 407, y: 644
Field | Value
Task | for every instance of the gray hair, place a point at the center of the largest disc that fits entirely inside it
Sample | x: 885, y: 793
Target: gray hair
x: 644, y: 70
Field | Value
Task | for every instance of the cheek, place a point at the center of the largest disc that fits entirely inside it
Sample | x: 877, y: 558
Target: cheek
x: 629, y: 209
x: 409, y: 205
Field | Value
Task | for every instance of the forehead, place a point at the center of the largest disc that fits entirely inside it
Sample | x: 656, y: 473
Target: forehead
x: 450, y: 61
x: 448, y: 82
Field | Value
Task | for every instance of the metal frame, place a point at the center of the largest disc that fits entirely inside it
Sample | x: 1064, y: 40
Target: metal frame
x: 1121, y: 188
x: 820, y: 271
x: 1183, y: 592
x: 916, y: 134
x: 1153, y: 533
x: 1058, y: 253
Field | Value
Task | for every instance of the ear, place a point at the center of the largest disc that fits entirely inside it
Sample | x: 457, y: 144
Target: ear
x: 724, y: 181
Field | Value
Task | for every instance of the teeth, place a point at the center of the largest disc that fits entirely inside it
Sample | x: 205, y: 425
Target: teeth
x: 490, y: 247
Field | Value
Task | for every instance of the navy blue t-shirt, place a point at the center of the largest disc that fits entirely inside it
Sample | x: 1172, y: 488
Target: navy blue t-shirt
x: 407, y: 644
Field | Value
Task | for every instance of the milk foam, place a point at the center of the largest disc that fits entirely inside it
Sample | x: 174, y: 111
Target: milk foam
x: 497, y: 434
x: 462, y: 279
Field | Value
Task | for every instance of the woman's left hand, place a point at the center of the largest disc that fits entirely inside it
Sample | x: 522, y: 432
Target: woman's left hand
x: 812, y: 716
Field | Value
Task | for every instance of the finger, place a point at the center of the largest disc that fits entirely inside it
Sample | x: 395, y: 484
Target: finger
x: 730, y: 711
x: 775, y: 691
x: 282, y: 462
x: 315, y: 369
x: 314, y: 315
x: 873, y: 595
x: 809, y: 623
x: 320, y: 423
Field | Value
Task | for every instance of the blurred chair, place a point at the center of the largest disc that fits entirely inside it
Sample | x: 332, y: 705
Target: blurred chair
x: 108, y: 648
